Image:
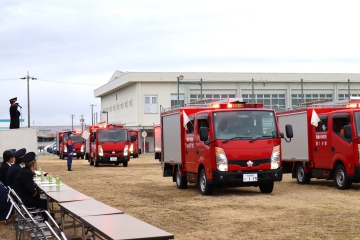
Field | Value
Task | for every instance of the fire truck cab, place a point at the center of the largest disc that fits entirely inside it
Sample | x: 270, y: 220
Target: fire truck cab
x: 327, y: 145
x: 79, y: 144
x: 109, y: 144
x: 224, y: 144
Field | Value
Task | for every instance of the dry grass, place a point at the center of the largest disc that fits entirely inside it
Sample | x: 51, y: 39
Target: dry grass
x: 292, y: 211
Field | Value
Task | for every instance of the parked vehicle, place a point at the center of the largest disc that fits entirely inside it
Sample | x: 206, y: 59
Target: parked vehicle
x: 222, y: 144
x: 327, y: 145
x: 79, y: 144
x: 108, y: 143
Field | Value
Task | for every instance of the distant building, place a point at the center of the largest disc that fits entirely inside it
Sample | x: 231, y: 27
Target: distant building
x: 135, y: 98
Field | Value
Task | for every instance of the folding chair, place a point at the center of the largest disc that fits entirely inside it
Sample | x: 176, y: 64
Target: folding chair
x: 58, y: 236
x: 34, y: 211
x: 37, y: 228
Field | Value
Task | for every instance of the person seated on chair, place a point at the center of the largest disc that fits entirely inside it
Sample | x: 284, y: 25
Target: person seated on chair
x: 25, y: 186
x: 15, y: 168
x: 5, y: 204
x: 8, y: 160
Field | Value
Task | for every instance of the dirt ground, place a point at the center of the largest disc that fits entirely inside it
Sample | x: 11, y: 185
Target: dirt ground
x: 292, y: 211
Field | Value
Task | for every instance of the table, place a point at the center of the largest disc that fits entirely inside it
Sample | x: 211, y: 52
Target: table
x: 67, y: 196
x: 88, y: 208
x: 123, y: 226
x: 55, y: 188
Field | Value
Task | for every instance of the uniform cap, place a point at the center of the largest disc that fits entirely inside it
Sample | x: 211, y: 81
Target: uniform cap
x: 20, y: 153
x: 13, y: 151
x: 13, y: 99
x: 29, y: 157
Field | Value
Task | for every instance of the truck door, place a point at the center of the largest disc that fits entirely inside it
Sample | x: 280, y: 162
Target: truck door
x: 202, y: 150
x: 322, y: 144
x: 339, y: 143
x: 190, y: 152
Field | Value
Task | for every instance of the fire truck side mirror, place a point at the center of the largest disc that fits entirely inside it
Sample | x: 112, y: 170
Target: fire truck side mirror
x: 132, y: 138
x: 203, y: 132
x: 347, y: 132
x: 92, y: 138
x: 289, y: 131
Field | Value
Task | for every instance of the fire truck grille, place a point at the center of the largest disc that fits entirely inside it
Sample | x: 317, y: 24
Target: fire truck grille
x: 113, y: 152
x: 243, y: 163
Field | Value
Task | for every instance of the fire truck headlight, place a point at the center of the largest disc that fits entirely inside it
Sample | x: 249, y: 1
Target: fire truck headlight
x: 221, y: 160
x: 65, y: 149
x: 131, y: 148
x: 126, y: 150
x: 275, y: 157
x: 100, y: 151
x: 82, y: 148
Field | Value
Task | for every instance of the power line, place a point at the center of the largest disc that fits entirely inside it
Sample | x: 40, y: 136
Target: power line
x: 69, y: 82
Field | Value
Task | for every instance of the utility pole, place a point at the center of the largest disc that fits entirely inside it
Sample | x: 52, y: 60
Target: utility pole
x: 72, y: 122
x: 96, y: 118
x: 28, y: 94
x: 82, y: 122
x: 92, y: 113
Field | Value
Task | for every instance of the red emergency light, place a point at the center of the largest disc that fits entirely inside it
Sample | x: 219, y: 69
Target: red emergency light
x: 352, y: 105
x: 237, y: 105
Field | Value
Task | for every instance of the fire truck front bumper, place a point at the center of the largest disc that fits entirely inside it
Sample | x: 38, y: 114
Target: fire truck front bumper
x: 121, y: 159
x: 238, y: 179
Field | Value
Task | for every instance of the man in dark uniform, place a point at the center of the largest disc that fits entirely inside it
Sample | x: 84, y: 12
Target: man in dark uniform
x: 15, y: 168
x: 25, y: 186
x: 70, y: 149
x: 8, y: 160
x: 14, y: 114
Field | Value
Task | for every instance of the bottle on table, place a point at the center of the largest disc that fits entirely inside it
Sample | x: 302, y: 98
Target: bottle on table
x: 57, y: 179
x: 50, y: 178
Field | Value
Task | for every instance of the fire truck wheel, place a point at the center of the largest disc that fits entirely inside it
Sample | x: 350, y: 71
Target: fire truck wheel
x: 91, y: 162
x: 62, y: 156
x: 181, y: 182
x: 266, y: 187
x: 302, y: 176
x: 205, y: 187
x: 341, y: 180
x: 125, y: 164
x: 82, y: 157
x: 96, y: 163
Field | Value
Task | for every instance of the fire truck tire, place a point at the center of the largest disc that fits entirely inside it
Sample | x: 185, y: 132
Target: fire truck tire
x: 302, y: 176
x: 125, y: 164
x: 62, y: 156
x: 91, y: 162
x: 205, y: 187
x: 82, y: 157
x: 341, y: 180
x: 181, y: 182
x: 266, y: 187
x: 96, y: 163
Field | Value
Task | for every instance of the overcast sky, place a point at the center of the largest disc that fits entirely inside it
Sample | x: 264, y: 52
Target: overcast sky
x: 73, y: 47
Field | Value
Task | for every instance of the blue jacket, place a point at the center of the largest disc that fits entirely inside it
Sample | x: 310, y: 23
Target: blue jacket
x: 11, y: 174
x: 4, y: 203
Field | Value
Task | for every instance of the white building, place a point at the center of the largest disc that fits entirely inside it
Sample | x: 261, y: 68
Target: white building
x: 134, y: 98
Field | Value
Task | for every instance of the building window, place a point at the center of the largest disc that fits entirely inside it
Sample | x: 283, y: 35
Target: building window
x: 296, y: 99
x: 150, y: 104
x: 173, y: 98
x: 275, y: 101
x: 215, y: 97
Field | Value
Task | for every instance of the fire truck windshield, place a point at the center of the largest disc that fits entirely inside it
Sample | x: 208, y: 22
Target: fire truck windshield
x: 112, y: 135
x: 75, y: 138
x: 357, y: 123
x: 244, y: 124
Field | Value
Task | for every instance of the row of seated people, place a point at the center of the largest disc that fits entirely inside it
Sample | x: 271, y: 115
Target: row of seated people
x: 17, y: 172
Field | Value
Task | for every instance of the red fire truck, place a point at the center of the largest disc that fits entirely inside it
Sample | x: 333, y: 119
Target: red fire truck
x: 79, y: 144
x: 157, y: 141
x: 134, y: 146
x: 109, y: 143
x: 227, y: 144
x: 327, y: 144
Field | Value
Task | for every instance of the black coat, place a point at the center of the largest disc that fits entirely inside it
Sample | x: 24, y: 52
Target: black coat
x: 14, y: 117
x: 3, y: 172
x: 25, y: 187
x: 11, y: 174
